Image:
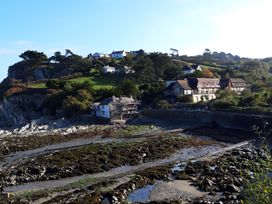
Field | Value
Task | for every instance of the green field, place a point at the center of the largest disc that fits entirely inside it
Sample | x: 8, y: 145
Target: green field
x: 99, y: 82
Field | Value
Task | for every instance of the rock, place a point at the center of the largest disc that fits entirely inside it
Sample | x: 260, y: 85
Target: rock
x: 232, y: 188
x: 34, y: 170
x: 51, y: 170
x: 189, y: 170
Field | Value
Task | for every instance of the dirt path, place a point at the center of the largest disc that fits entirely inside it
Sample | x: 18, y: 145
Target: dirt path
x: 182, y: 155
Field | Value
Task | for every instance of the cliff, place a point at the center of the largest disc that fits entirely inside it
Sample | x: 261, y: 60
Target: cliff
x: 20, y: 109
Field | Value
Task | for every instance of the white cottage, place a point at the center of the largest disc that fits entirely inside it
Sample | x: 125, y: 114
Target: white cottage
x: 190, y: 69
x: 116, y: 108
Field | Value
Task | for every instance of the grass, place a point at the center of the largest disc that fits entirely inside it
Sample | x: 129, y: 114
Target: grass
x: 99, y: 82
x: 132, y: 130
x: 29, y: 196
x: 38, y: 86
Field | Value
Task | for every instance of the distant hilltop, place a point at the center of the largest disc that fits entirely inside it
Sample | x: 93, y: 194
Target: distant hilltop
x: 36, y: 66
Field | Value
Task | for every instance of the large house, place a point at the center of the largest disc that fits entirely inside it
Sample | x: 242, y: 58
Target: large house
x: 118, y: 54
x: 190, y: 69
x: 117, y: 108
x: 203, y: 89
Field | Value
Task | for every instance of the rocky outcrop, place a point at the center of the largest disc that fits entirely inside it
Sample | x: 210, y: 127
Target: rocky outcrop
x: 22, y: 71
x: 20, y: 109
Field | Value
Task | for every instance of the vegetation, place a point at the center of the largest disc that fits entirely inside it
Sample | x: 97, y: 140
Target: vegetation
x: 67, y: 72
x: 103, y: 157
x: 261, y: 98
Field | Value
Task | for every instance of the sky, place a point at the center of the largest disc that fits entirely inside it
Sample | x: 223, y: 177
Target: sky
x: 240, y: 27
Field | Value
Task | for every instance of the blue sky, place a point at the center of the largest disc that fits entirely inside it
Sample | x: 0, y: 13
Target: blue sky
x: 86, y: 26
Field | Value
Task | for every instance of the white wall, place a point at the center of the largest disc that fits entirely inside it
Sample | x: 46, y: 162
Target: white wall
x: 103, y: 111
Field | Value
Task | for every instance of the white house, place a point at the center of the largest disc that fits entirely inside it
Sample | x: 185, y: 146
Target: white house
x: 118, y: 54
x: 108, y: 69
x: 190, y: 69
x: 116, y: 107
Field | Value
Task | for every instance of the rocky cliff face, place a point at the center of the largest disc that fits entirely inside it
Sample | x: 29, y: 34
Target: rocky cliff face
x: 20, y: 109
x: 22, y: 71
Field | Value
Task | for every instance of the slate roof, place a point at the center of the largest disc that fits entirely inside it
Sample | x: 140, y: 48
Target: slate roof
x: 106, y: 101
x: 117, y: 52
x: 190, y: 67
x: 187, y: 68
x: 196, y: 83
x: 171, y: 86
x: 184, y: 84
x: 235, y: 82
x: 122, y: 100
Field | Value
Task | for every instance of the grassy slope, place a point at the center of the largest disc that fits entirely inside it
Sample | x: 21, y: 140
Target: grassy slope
x: 99, y: 82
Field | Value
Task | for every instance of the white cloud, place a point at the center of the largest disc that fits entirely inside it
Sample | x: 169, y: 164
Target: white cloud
x: 23, y: 42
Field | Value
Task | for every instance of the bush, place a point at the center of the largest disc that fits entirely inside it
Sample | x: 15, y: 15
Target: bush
x: 78, y: 103
x: 185, y: 99
x: 163, y: 104
x: 55, y: 84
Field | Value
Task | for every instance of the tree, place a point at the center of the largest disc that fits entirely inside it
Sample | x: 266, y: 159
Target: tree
x: 77, y: 103
x: 151, y: 92
x: 174, y: 72
x: 33, y: 57
x: 207, y: 73
x: 144, y: 69
x: 127, y: 88
x: 161, y: 62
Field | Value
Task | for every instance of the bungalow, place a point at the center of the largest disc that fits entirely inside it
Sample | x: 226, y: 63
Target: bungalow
x: 118, y: 54
x: 234, y: 84
x: 108, y: 69
x: 190, y: 69
x: 115, y: 108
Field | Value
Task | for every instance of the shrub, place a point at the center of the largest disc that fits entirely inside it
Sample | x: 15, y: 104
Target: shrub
x: 164, y: 104
x: 185, y: 99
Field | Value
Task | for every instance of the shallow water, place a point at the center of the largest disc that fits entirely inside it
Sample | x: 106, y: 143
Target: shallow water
x: 141, y: 195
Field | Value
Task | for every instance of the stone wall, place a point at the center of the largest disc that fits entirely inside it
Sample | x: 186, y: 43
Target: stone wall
x: 197, y: 118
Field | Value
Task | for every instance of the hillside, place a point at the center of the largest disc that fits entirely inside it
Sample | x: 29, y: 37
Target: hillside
x: 69, y: 84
